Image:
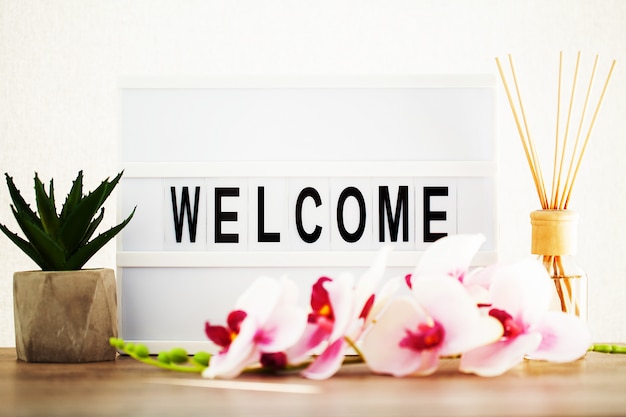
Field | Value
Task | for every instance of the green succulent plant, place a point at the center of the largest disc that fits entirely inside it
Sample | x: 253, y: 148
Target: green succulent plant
x: 62, y: 242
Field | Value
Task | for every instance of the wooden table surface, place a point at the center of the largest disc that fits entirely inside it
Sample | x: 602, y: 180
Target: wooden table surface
x: 593, y: 386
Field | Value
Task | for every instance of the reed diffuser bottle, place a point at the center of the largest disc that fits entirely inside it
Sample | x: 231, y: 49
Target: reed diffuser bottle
x: 554, y: 240
x: 554, y: 228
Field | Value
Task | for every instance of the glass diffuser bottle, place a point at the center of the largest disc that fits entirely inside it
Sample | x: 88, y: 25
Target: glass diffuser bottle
x: 554, y: 228
x: 554, y: 240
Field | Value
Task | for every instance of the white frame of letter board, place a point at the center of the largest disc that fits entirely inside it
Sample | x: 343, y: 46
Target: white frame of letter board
x: 288, y: 169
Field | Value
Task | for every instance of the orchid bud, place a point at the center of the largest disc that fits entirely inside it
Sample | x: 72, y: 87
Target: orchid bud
x: 202, y: 358
x: 178, y: 355
x: 164, y: 357
x: 141, y: 351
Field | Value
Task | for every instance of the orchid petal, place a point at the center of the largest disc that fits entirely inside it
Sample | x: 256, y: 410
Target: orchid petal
x: 381, y: 344
x: 260, y: 298
x: 218, y: 335
x: 477, y: 282
x: 482, y: 277
x: 484, y: 331
x: 522, y: 289
x: 282, y: 330
x: 430, y: 362
x: 383, y: 297
x: 311, y: 339
x: 355, y: 329
x: 241, y: 353
x: 447, y: 302
x: 367, y: 283
x: 479, y: 294
x: 497, y: 358
x: 340, y: 293
x: 449, y: 255
x: 290, y: 290
x: 227, y: 366
x: 286, y: 322
x: 565, y: 338
x: 328, y: 363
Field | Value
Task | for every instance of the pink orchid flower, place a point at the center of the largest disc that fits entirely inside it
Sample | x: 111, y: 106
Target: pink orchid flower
x: 266, y: 321
x: 519, y: 298
x: 452, y: 255
x: 340, y: 309
x: 412, y: 333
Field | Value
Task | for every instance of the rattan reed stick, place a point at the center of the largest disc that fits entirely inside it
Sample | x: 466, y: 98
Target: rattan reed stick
x: 593, y: 121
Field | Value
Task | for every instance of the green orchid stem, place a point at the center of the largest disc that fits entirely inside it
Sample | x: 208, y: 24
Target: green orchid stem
x: 258, y: 369
x: 607, y: 348
x: 190, y: 367
x: 193, y: 368
x: 355, y: 347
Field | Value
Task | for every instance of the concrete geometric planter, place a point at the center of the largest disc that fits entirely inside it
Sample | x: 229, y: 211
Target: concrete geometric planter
x: 65, y: 316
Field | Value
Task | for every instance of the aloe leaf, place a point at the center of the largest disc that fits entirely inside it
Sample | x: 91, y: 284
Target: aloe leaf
x: 51, y: 195
x: 75, y: 226
x: 74, y: 196
x: 113, y: 183
x: 104, y: 190
x: 84, y: 253
x: 92, y: 227
x: 19, y: 203
x: 52, y: 254
x: 25, y: 246
x: 46, y: 208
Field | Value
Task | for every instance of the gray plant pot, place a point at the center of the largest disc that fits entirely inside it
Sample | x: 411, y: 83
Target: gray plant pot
x: 65, y: 316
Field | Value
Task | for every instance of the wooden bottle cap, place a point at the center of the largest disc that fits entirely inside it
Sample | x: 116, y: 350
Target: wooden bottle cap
x: 554, y: 232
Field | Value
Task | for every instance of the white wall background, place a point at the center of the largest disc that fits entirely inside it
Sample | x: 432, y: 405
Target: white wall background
x: 60, y: 61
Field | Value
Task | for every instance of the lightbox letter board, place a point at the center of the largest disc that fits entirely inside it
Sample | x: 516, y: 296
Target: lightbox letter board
x: 239, y: 177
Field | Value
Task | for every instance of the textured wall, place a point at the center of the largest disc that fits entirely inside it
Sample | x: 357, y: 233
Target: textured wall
x: 60, y: 60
